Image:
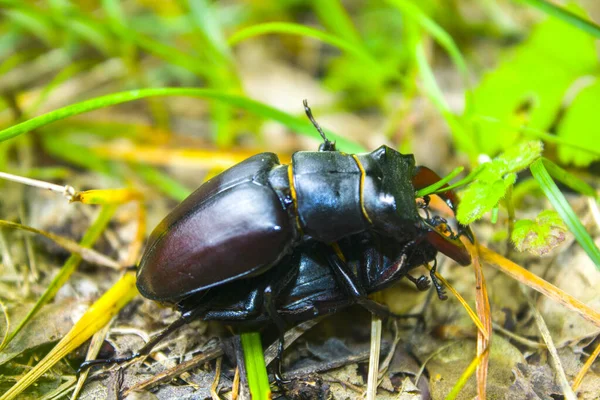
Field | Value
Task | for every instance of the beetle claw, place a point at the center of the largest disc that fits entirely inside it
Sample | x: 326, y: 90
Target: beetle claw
x: 439, y: 288
x: 422, y: 283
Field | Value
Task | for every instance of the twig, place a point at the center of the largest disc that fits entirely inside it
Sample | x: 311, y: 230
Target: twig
x: 554, y: 358
x: 372, y: 381
x: 214, y: 388
x: 175, y: 371
x: 67, y: 191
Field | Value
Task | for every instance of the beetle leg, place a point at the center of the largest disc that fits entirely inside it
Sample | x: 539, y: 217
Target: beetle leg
x: 422, y: 283
x: 280, y: 324
x: 147, y: 348
x: 252, y: 307
x: 353, y: 288
x: 436, y: 283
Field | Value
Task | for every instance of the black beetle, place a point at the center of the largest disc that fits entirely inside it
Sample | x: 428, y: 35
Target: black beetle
x: 246, y: 219
x: 245, y: 244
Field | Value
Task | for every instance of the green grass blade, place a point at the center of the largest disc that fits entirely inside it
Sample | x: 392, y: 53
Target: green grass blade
x: 432, y: 188
x: 467, y: 179
x: 335, y: 18
x: 565, y: 211
x: 301, y: 30
x: 65, y: 149
x: 258, y: 380
x: 34, y: 22
x: 568, y: 179
x: 566, y: 16
x: 432, y: 89
x: 88, y: 240
x: 440, y: 35
x: 207, y: 25
x: 63, y: 75
x: 535, y: 133
x: 163, y: 182
x: 299, y: 125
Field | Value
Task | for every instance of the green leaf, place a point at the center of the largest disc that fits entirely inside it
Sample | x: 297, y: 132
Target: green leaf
x: 481, y: 197
x: 529, y: 85
x: 565, y: 211
x: 539, y: 237
x: 513, y: 160
x: 581, y: 124
x: 494, y: 178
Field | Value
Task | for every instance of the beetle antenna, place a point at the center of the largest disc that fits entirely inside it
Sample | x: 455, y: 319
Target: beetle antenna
x: 327, y: 144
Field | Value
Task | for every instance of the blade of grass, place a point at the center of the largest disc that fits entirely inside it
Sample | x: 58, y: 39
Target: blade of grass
x: 432, y: 188
x: 433, y: 91
x: 440, y: 35
x: 333, y: 15
x: 586, y: 367
x: 186, y: 158
x: 464, y: 303
x: 568, y: 179
x: 163, y: 182
x: 535, y: 282
x: 87, y: 254
x: 88, y: 240
x: 258, y: 379
x: 107, y: 196
x: 7, y: 325
x: 61, y: 147
x: 482, y: 303
x: 566, y: 16
x: 301, y: 30
x: 99, y: 314
x: 62, y: 76
x: 95, y: 345
x: 535, y: 133
x: 206, y: 24
x: 467, y: 179
x: 565, y: 211
x: 462, y: 381
x: 36, y: 23
x: 375, y: 351
x: 294, y: 123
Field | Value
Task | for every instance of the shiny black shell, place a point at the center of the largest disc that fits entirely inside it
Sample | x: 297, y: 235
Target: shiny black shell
x: 232, y: 226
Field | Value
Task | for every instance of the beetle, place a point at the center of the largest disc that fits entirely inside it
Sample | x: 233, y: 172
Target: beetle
x: 245, y: 220
x: 253, y: 229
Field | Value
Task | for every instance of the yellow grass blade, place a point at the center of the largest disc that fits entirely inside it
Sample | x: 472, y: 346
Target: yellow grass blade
x: 107, y: 196
x: 535, y: 282
x: 99, y: 314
